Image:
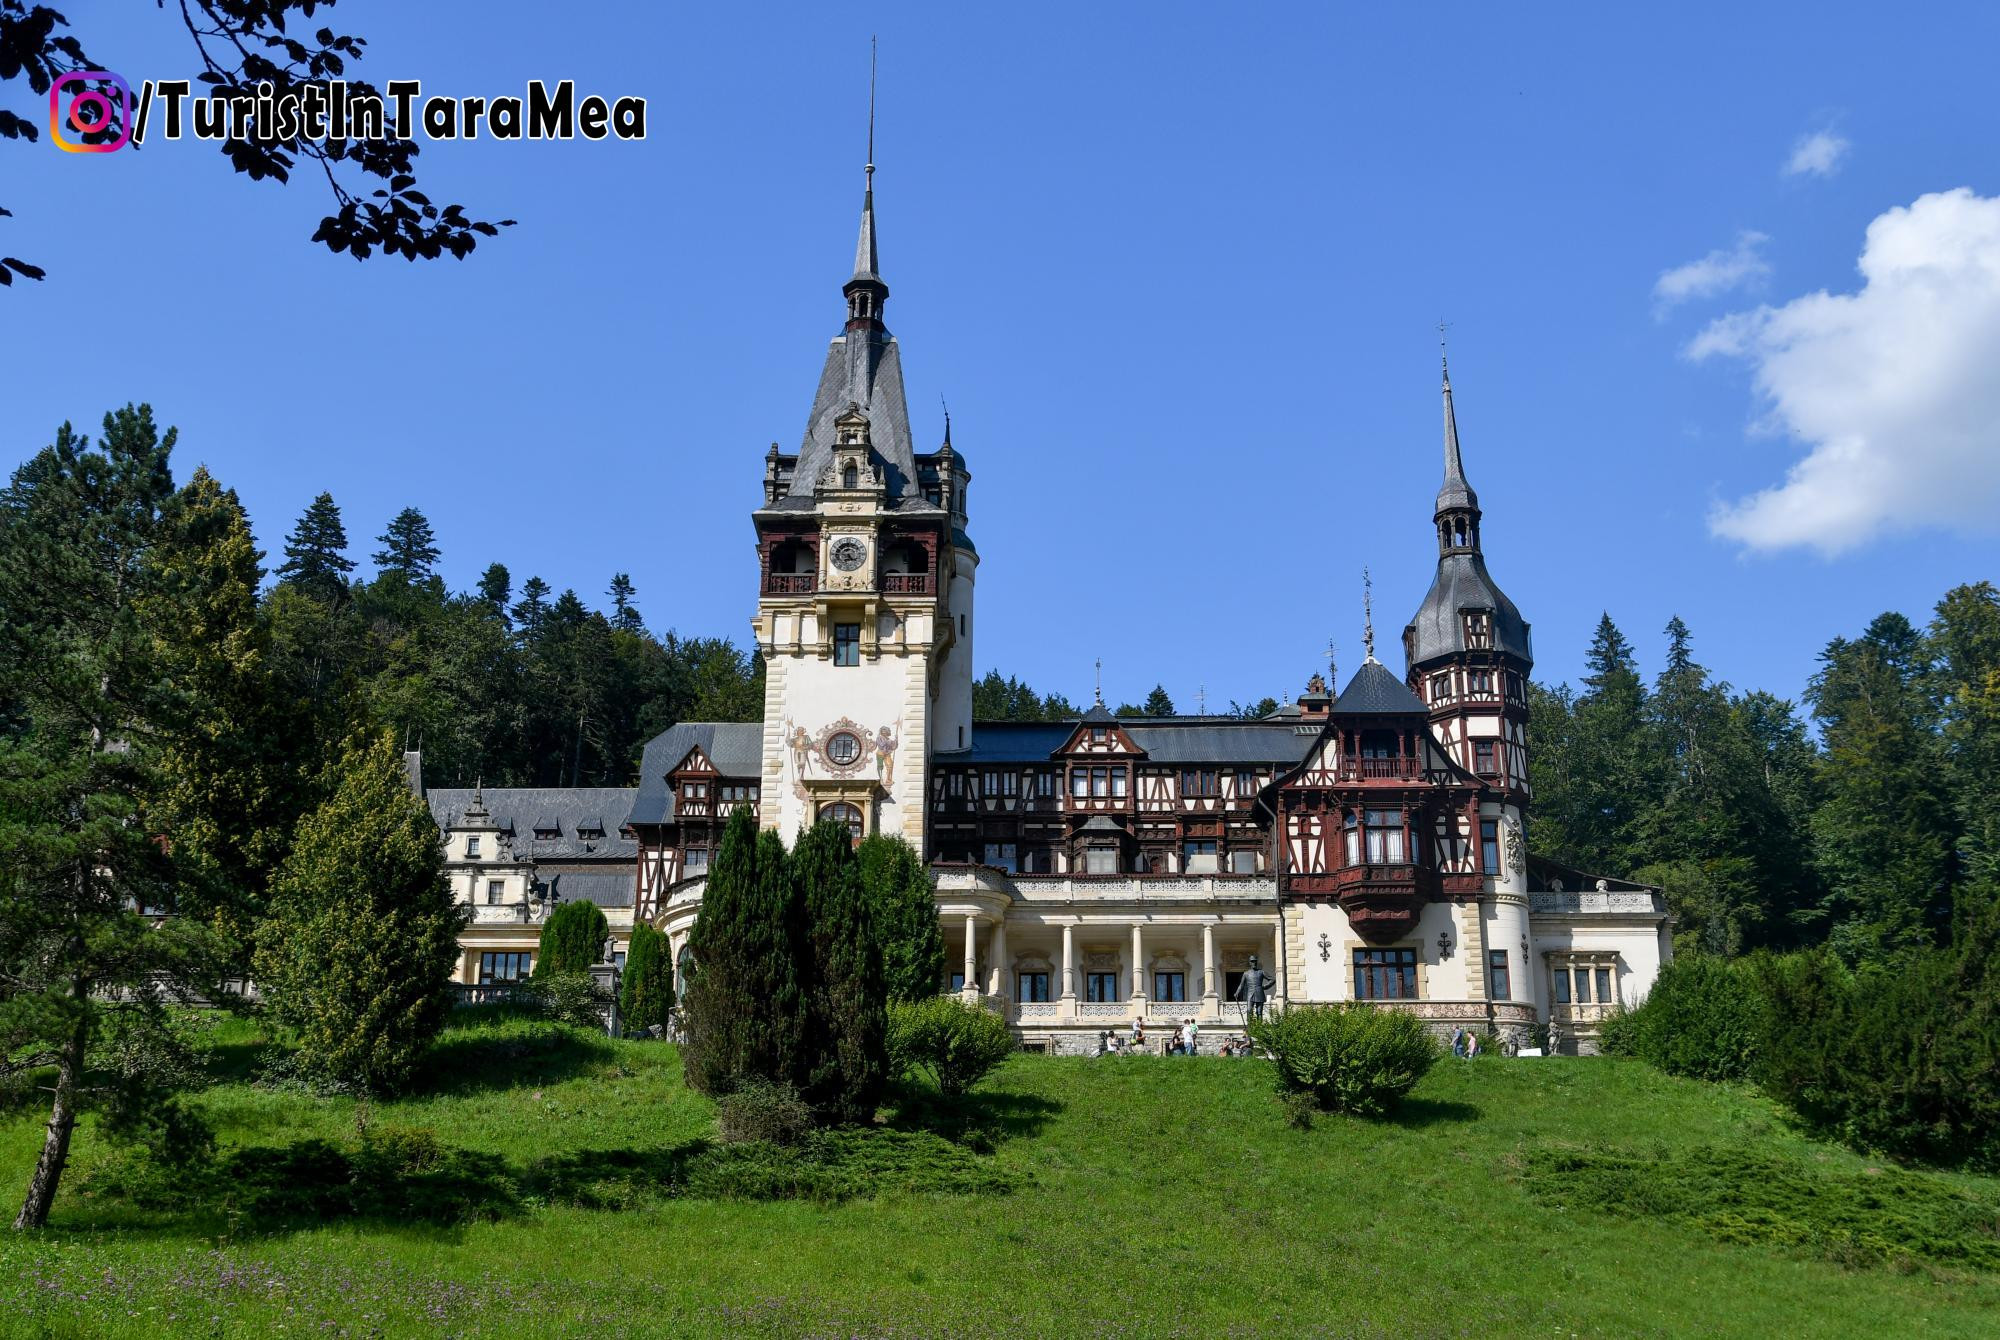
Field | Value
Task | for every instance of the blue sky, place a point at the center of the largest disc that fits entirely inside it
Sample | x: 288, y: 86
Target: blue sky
x: 1178, y: 269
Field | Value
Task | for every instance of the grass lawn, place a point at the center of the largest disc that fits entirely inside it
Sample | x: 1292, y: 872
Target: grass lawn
x: 1121, y: 1196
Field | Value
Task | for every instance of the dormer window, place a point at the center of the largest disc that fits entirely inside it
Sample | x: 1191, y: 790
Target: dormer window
x: 472, y: 848
x: 1478, y: 630
x: 850, y: 477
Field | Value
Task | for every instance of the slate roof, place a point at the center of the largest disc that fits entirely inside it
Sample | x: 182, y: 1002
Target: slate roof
x: 1374, y: 691
x: 1463, y: 583
x: 1455, y: 493
x: 736, y: 748
x: 606, y: 888
x: 1165, y: 740
x: 568, y: 810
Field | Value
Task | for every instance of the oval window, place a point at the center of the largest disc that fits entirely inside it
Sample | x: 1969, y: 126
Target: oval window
x: 843, y: 748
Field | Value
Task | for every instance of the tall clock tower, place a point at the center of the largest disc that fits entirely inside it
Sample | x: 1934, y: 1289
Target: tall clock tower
x: 864, y: 609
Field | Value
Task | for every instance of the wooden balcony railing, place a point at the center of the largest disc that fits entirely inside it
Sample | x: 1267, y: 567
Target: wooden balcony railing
x: 788, y: 583
x: 1380, y: 769
x: 906, y: 583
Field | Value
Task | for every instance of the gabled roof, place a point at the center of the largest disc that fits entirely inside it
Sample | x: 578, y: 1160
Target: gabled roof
x: 1374, y: 691
x: 736, y: 748
x: 1167, y: 740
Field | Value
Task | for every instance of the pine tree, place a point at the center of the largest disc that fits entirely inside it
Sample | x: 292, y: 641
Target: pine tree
x: 84, y: 970
x: 1965, y: 653
x: 624, y: 607
x: 572, y: 940
x: 1884, y: 834
x: 846, y: 1060
x: 230, y: 787
x: 1158, y: 704
x: 496, y: 587
x: 409, y: 551
x: 358, y: 952
x: 646, y: 992
x: 532, y: 607
x: 899, y: 891
x: 1614, y: 760
x: 316, y: 560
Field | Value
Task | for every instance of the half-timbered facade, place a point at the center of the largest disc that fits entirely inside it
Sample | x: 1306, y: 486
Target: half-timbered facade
x: 1365, y: 843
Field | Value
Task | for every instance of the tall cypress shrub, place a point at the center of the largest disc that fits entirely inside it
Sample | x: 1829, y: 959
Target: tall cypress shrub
x: 646, y: 993
x: 846, y: 1059
x: 899, y: 892
x: 742, y: 1006
x: 572, y: 940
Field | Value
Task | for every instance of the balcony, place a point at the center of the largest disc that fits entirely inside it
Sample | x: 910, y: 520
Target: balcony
x: 789, y: 583
x: 906, y: 583
x: 1380, y: 770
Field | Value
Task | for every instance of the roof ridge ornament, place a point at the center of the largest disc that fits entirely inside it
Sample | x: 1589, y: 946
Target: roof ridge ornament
x: 1367, y: 616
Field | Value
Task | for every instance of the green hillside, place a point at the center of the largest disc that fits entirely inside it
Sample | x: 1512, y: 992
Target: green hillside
x: 546, y: 1183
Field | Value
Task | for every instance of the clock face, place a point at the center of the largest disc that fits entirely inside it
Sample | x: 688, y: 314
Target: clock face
x: 849, y: 553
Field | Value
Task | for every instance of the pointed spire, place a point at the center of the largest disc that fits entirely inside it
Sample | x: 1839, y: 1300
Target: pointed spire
x: 867, y: 265
x: 946, y: 406
x: 1456, y: 493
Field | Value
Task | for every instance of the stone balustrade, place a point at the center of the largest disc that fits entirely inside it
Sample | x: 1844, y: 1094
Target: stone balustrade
x: 1596, y: 902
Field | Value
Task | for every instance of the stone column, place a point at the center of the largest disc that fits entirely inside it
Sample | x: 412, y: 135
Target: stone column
x: 1069, y: 971
x: 971, y: 954
x: 1211, y: 978
x: 996, y: 952
x: 1138, y: 968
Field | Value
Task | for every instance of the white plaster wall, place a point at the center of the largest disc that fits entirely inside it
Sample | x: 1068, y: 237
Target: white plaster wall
x: 1446, y: 975
x: 817, y: 693
x: 1637, y: 947
x: 1325, y: 980
x: 951, y: 721
x: 1506, y: 922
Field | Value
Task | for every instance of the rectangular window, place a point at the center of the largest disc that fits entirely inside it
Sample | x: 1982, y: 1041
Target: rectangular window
x: 734, y: 795
x: 1198, y: 782
x: 1497, y: 987
x: 1489, y: 846
x: 1079, y: 782
x: 1100, y: 861
x: 1482, y: 758
x: 958, y: 981
x: 494, y: 889
x: 1583, y: 986
x: 1118, y: 782
x: 1198, y: 856
x: 1482, y: 682
x: 1045, y: 784
x: 1246, y: 783
x: 1353, y: 839
x: 1170, y: 986
x: 1031, y: 987
x: 1243, y: 863
x: 1100, y: 782
x: 505, y: 966
x: 1385, y: 837
x: 694, y: 790
x: 1385, y: 974
x: 847, y: 644
x: 697, y: 860
x: 956, y: 784
x: 1101, y: 987
x: 1560, y: 980
x: 1604, y: 986
x: 472, y: 847
x: 1000, y: 854
x: 1099, y: 734
x: 1440, y: 688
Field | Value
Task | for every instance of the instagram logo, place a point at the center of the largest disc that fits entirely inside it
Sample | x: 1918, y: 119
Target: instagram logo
x: 90, y: 111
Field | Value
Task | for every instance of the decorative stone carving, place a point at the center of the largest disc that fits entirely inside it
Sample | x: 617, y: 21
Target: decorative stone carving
x: 1517, y: 846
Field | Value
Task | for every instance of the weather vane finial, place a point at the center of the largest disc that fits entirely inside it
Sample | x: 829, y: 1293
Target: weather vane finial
x: 1368, y: 612
x: 1100, y: 681
x: 1332, y: 672
x: 1443, y: 360
x: 870, y: 169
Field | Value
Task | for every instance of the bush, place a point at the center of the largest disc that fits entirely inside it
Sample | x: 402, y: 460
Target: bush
x: 572, y: 939
x: 1349, y: 1058
x: 570, y: 998
x: 956, y: 1044
x: 898, y: 886
x: 1705, y: 1018
x: 646, y: 993
x: 762, y: 1110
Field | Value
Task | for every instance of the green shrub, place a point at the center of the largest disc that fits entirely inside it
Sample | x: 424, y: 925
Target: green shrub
x: 1705, y: 1018
x: 898, y: 886
x: 646, y: 993
x: 570, y: 998
x: 1350, y: 1057
x: 956, y: 1044
x: 572, y: 939
x: 759, y: 1109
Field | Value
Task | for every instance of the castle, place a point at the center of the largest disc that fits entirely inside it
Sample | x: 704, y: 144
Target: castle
x: 1364, y: 844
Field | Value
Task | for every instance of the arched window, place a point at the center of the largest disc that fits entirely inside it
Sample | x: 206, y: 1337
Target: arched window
x: 683, y: 966
x: 849, y: 476
x: 840, y: 812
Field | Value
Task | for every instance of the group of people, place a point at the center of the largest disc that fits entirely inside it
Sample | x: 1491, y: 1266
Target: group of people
x: 1185, y: 1041
x: 1465, y: 1043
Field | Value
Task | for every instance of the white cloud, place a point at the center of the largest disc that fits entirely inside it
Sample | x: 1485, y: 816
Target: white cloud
x: 1718, y: 272
x: 1816, y: 155
x: 1891, y: 389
